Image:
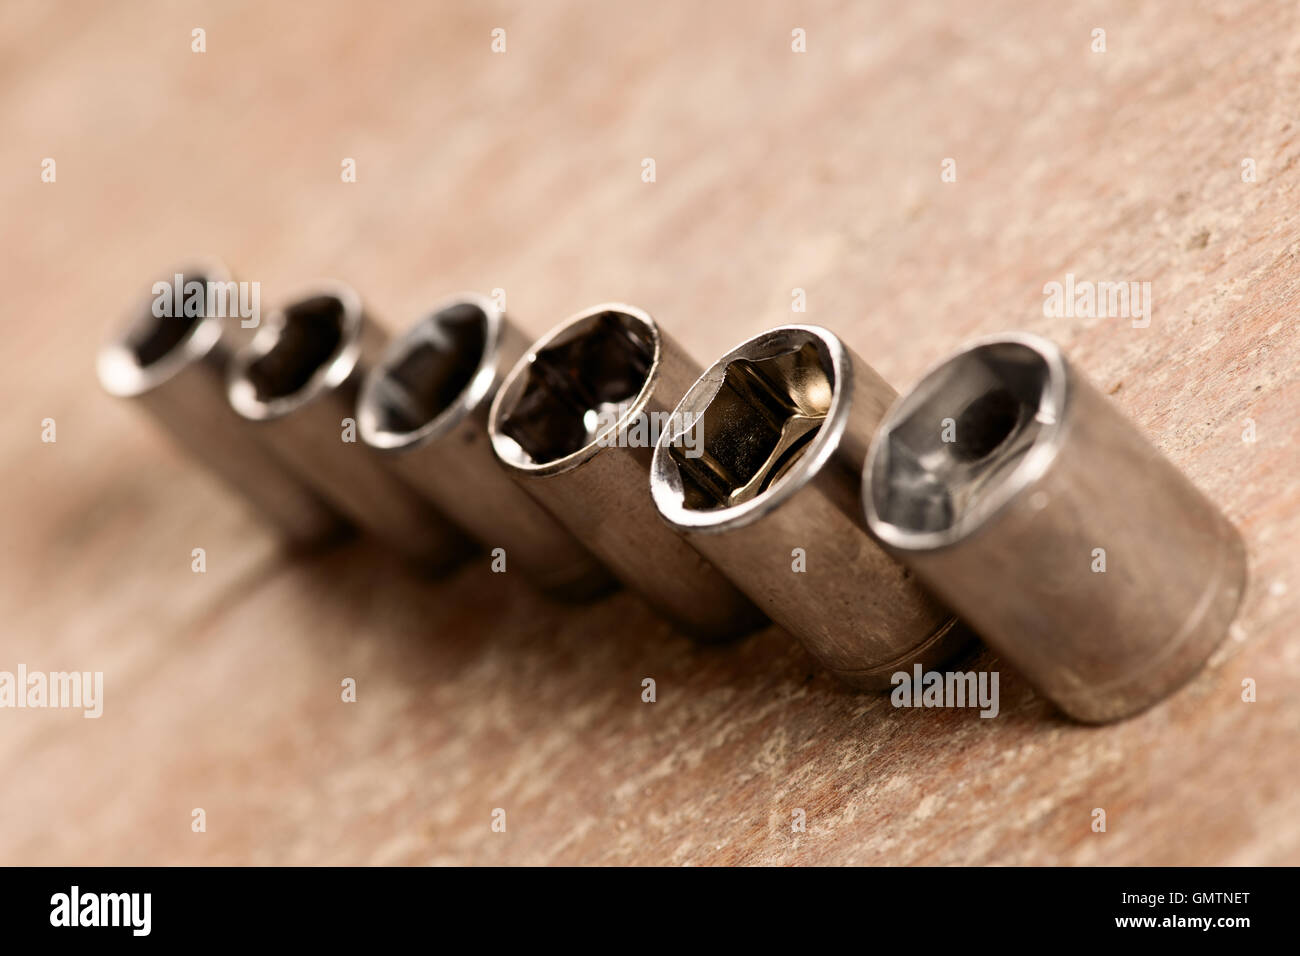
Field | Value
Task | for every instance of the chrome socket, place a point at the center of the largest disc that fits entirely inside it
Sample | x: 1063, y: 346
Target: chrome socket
x: 763, y: 473
x: 296, y: 385
x: 425, y: 405
x: 174, y: 366
x: 1042, y: 515
x: 574, y: 424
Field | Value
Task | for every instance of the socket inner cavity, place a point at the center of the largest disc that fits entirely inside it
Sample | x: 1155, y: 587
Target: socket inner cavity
x: 581, y: 385
x: 311, y: 333
x: 152, y: 348
x: 152, y: 338
x: 758, y: 424
x: 956, y: 448
x: 424, y: 374
x: 302, y: 350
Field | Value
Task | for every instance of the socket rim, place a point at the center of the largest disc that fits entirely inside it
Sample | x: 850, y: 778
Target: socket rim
x: 471, y: 397
x: 117, y: 363
x: 1052, y: 415
x: 329, y: 374
x: 503, y: 446
x: 665, y: 478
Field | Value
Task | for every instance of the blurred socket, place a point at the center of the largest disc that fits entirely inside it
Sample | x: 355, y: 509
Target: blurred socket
x: 425, y: 405
x: 296, y: 384
x: 574, y: 424
x: 170, y: 357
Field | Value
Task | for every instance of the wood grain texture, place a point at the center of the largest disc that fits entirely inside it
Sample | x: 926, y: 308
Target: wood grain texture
x: 521, y: 171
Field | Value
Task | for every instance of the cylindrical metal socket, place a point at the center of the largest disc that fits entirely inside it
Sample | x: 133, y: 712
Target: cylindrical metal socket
x: 296, y: 384
x: 1041, y: 514
x: 171, y: 360
x: 762, y: 468
x: 574, y: 422
x: 426, y: 404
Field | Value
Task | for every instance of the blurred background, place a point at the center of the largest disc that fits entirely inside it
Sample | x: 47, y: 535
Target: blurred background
x: 775, y: 171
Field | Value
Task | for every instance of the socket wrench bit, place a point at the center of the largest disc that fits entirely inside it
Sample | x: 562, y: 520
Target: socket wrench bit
x: 762, y: 470
x: 1041, y: 514
x: 426, y: 404
x: 174, y: 366
x: 296, y: 384
x: 573, y: 423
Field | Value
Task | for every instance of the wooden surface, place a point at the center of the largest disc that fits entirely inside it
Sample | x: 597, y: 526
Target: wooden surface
x: 522, y: 171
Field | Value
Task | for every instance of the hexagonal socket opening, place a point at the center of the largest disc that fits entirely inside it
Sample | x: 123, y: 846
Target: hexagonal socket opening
x: 151, y: 338
x: 758, y: 424
x: 311, y: 333
x: 428, y: 370
x: 578, y: 386
x: 959, y: 436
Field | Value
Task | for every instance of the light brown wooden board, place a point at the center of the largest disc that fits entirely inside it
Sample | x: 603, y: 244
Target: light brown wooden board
x: 522, y: 171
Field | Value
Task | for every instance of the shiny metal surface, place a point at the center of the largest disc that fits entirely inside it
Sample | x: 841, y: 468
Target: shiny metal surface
x: 1041, y: 514
x: 574, y: 423
x: 296, y: 386
x: 174, y: 367
x: 763, y: 473
x: 425, y: 404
